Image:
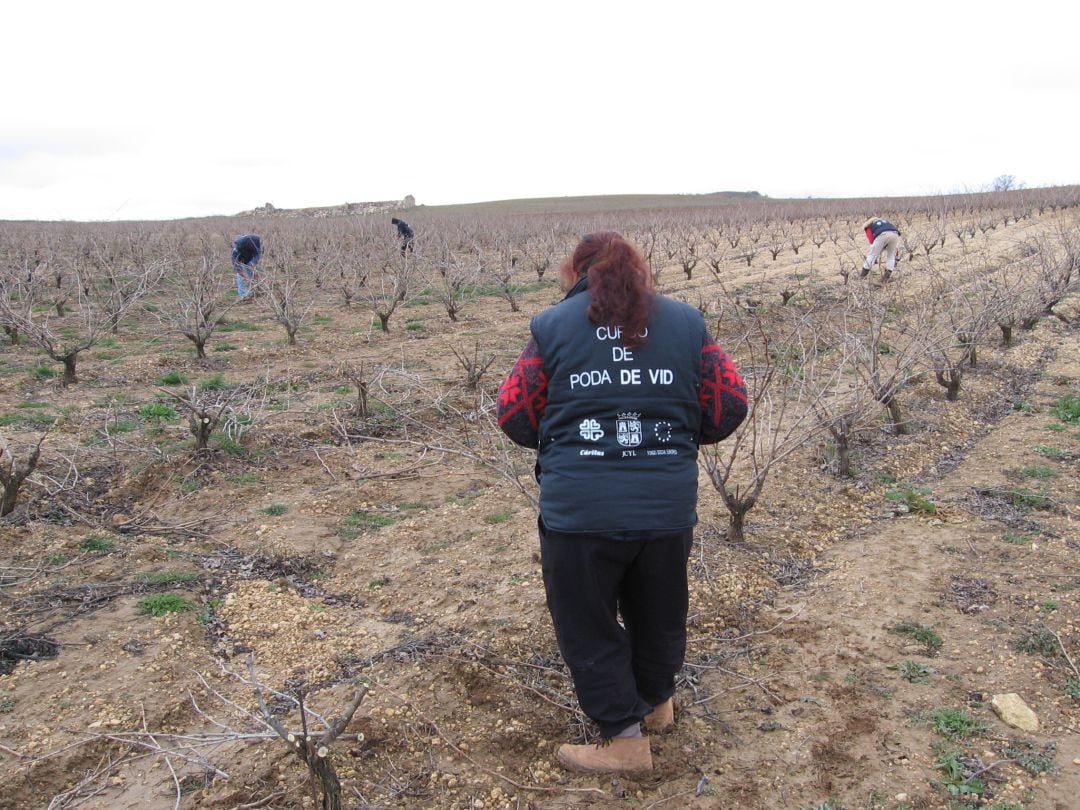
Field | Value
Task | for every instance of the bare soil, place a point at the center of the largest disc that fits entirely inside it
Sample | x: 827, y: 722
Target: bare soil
x: 401, y: 561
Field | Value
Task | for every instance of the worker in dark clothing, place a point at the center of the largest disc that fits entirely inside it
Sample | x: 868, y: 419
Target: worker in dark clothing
x: 616, y: 390
x: 406, y: 234
x: 246, y: 252
x: 883, y: 236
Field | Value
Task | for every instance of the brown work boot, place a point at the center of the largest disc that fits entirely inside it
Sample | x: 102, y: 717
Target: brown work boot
x: 613, y: 755
x: 662, y: 717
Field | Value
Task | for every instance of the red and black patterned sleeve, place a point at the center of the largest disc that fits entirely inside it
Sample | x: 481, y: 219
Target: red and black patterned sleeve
x: 722, y: 396
x: 523, y: 397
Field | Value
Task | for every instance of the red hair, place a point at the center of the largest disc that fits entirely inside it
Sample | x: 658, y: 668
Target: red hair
x: 619, y: 282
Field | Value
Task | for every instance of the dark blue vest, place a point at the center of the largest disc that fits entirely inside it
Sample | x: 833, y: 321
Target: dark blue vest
x: 880, y: 226
x: 619, y: 435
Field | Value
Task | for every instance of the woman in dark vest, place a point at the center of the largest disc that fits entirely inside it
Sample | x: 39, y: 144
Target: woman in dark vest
x: 616, y: 390
x: 884, y: 237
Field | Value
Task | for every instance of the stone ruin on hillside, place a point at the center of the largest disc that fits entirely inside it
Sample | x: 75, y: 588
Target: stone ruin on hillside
x: 348, y: 209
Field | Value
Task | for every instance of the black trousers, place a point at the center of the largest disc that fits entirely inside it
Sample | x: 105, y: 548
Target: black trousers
x: 620, y: 671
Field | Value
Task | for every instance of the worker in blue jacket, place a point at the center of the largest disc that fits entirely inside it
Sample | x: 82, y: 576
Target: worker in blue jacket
x: 246, y: 252
x: 406, y: 234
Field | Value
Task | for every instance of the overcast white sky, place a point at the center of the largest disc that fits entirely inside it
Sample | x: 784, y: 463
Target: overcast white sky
x: 148, y: 110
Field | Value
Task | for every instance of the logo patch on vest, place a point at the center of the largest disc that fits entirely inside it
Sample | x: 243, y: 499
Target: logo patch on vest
x: 663, y: 431
x: 628, y: 429
x: 590, y: 430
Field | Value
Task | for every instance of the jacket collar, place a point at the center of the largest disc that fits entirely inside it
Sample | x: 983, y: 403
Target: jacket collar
x: 580, y: 286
